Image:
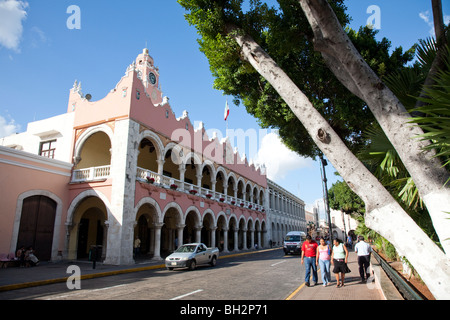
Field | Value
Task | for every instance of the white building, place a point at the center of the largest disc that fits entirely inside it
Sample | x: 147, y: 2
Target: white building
x: 286, y: 212
x: 342, y: 223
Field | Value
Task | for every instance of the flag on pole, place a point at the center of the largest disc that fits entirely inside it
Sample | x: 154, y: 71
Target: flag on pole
x: 227, y: 111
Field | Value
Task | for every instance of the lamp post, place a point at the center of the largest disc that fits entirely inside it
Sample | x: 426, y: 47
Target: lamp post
x: 327, y: 206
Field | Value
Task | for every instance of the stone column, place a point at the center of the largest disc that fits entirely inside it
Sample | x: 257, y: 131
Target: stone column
x: 180, y: 234
x: 157, y: 242
x: 258, y: 237
x: 225, y: 241
x: 235, y: 230
x: 182, y: 169
x: 252, y: 238
x: 213, y: 237
x: 198, y: 235
x: 160, y: 168
x: 244, y: 239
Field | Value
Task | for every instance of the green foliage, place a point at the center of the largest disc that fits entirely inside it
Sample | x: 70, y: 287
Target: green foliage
x: 377, y: 240
x: 342, y: 198
x: 435, y: 119
x: 285, y: 34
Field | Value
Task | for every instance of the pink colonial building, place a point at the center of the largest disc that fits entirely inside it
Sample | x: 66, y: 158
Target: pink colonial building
x: 124, y: 167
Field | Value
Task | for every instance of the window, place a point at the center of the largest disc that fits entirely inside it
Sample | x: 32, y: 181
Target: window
x: 47, y: 149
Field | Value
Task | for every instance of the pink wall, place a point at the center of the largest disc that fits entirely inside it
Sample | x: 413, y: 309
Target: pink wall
x: 117, y: 105
x: 21, y: 172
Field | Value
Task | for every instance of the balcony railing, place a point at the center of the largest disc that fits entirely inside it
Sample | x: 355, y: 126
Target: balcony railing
x: 91, y: 174
x: 163, y: 181
x: 102, y: 173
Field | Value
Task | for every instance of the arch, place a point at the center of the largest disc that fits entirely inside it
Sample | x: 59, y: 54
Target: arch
x: 169, y: 206
x: 77, y: 229
x: 147, y: 134
x: 208, y: 228
x: 209, y: 212
x: 147, y: 213
x: 241, y: 189
x: 195, y: 156
x: 57, y: 220
x: 242, y: 236
x: 255, y: 194
x: 77, y: 200
x: 221, y: 169
x: 172, y: 219
x: 208, y: 175
x: 221, y: 177
x: 87, y: 134
x: 262, y: 197
x: 208, y: 163
x: 222, y: 225
x: 197, y: 214
x: 150, y: 201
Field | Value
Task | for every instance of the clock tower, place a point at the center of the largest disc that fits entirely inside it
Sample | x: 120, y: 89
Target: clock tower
x: 149, y: 74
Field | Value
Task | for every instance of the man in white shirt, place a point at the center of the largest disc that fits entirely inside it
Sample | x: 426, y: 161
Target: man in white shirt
x: 363, y: 250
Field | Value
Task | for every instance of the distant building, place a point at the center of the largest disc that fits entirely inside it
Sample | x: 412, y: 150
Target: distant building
x: 342, y: 224
x: 286, y: 212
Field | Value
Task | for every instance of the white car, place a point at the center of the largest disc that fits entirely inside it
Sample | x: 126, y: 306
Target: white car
x: 190, y: 255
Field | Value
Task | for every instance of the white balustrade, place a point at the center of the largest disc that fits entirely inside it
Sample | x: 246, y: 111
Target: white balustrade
x: 166, y: 182
x: 91, y: 174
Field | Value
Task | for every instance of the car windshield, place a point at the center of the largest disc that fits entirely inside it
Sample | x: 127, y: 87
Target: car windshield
x: 187, y: 248
x: 292, y: 238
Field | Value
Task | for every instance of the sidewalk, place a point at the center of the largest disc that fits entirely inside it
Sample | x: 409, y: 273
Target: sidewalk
x: 380, y: 289
x: 55, y: 272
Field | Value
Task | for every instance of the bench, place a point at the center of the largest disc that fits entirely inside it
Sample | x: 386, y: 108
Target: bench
x: 8, y: 260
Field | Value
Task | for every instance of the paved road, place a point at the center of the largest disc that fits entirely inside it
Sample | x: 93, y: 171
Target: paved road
x: 262, y: 276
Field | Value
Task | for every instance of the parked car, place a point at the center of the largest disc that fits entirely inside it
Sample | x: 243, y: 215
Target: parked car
x: 190, y: 255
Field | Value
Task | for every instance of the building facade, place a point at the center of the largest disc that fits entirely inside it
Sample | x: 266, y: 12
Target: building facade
x: 128, y: 168
x: 286, y: 212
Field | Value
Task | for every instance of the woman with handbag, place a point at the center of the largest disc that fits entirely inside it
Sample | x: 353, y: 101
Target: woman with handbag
x: 339, y: 258
x: 323, y: 260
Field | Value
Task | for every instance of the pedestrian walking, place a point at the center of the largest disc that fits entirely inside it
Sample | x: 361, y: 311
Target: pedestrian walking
x: 363, y: 250
x: 350, y: 241
x: 137, y: 247
x: 309, y: 252
x: 339, y: 258
x: 323, y: 258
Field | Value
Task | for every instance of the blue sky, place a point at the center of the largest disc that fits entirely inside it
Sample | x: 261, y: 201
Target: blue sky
x: 40, y: 58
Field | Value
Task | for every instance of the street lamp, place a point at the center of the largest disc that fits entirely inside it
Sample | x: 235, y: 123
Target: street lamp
x: 325, y: 191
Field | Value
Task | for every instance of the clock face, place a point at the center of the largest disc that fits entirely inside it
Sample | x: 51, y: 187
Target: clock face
x: 152, y: 78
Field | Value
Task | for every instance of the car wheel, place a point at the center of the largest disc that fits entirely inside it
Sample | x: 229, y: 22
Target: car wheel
x: 192, y: 265
x: 213, y: 262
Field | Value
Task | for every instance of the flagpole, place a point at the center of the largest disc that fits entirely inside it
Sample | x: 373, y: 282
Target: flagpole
x: 226, y: 118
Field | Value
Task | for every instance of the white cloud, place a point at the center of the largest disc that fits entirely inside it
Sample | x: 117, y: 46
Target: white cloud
x: 278, y: 159
x: 8, y: 128
x: 426, y: 16
x: 12, y: 14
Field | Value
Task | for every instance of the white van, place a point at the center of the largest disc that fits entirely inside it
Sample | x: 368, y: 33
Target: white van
x: 293, y: 242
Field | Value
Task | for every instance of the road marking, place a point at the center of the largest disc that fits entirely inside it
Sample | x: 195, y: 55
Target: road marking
x: 187, y: 294
x: 277, y: 263
x: 84, y: 292
x: 301, y: 287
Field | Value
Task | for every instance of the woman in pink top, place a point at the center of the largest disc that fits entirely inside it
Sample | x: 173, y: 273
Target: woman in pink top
x: 323, y: 258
